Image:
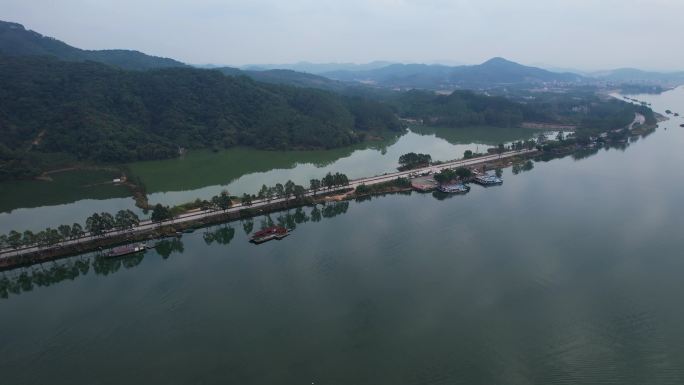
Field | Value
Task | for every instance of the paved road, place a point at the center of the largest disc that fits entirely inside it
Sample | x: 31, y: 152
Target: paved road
x: 195, y: 215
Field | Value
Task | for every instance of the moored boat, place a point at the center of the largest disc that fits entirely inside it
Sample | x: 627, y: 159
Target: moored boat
x: 458, y: 188
x: 269, y: 233
x: 487, y: 180
x: 125, y: 250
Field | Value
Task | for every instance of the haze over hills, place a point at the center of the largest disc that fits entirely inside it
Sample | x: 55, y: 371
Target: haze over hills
x: 319, y: 68
x: 633, y: 75
x: 16, y: 40
x: 286, y: 77
x: 492, y: 73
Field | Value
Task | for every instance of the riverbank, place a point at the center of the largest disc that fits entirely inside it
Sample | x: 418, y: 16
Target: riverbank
x: 198, y: 218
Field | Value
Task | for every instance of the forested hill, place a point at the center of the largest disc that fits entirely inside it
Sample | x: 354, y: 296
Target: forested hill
x: 496, y: 72
x: 91, y: 111
x: 461, y: 108
x: 287, y: 77
x: 586, y: 110
x: 15, y: 40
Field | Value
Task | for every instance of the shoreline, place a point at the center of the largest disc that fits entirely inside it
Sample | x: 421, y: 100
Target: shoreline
x: 196, y: 219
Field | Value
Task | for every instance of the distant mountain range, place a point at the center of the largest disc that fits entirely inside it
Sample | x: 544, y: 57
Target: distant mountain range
x: 492, y: 73
x: 15, y: 40
x: 318, y: 68
x: 633, y: 75
x: 287, y: 77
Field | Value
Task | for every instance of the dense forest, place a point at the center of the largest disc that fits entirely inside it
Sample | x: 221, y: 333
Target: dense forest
x: 459, y: 109
x: 584, y: 109
x: 56, y: 112
x: 95, y: 112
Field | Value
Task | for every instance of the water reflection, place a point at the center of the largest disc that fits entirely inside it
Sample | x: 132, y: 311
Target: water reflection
x: 203, y: 173
x: 64, y: 187
x: 204, y: 168
x: 17, y: 281
x: 222, y: 235
x: 166, y: 247
x: 43, y: 275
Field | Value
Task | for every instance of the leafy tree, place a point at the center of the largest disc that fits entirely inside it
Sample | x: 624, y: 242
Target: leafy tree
x: 463, y: 173
x: 42, y: 239
x: 467, y: 154
x: 263, y: 192
x: 126, y: 219
x: 362, y: 189
x: 270, y: 193
x: 3, y: 241
x: 328, y: 181
x: 222, y: 201
x: 314, y: 185
x: 76, y: 230
x: 160, y: 213
x: 289, y: 188
x: 107, y: 221
x: 28, y: 238
x: 445, y: 175
x: 246, y: 199
x: 341, y: 179
x: 279, y: 190
x: 413, y: 160
x: 299, y: 192
x: 52, y: 236
x: 95, y: 225
x: 64, y: 231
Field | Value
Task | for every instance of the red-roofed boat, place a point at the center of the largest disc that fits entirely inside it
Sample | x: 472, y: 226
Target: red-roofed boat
x: 269, y: 233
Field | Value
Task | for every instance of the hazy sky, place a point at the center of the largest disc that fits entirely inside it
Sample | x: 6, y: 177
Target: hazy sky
x: 585, y: 34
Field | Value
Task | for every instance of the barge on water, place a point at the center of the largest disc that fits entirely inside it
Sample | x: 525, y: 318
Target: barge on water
x: 126, y: 250
x: 487, y: 180
x: 458, y: 188
x: 269, y: 233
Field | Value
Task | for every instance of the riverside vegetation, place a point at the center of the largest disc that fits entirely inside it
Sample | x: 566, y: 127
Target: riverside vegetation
x: 100, y: 224
x: 59, y: 114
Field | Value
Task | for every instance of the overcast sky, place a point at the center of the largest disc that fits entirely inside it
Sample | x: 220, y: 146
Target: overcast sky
x: 584, y: 34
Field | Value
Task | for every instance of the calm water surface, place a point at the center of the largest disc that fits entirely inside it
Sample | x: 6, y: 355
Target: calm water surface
x: 570, y: 273
x: 73, y: 196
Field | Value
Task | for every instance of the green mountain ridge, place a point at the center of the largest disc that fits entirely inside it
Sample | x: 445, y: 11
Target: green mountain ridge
x: 15, y: 40
x: 94, y: 112
x: 495, y: 72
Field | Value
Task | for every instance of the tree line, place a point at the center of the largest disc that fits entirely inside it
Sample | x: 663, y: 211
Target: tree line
x: 412, y: 160
x: 96, y: 224
x: 99, y: 224
x: 447, y: 175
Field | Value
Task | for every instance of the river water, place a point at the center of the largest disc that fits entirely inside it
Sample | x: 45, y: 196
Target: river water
x: 570, y: 273
x: 73, y: 196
